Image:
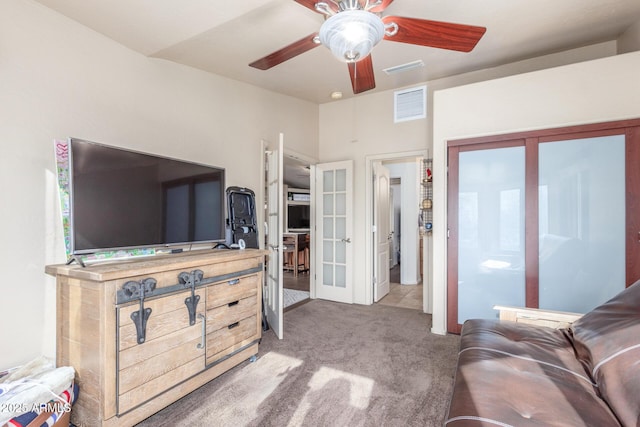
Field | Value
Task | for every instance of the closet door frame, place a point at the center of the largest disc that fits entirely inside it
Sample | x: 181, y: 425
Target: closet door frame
x: 531, y: 140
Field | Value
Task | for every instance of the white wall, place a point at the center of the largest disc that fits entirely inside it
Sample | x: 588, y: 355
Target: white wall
x: 352, y: 130
x: 59, y: 79
x: 595, y: 91
x: 362, y: 126
x: 629, y: 41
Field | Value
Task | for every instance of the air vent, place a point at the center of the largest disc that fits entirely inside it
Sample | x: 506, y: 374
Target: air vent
x: 404, y: 67
x: 410, y: 104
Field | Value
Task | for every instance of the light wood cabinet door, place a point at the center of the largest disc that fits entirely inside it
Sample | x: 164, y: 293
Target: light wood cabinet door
x: 172, y: 350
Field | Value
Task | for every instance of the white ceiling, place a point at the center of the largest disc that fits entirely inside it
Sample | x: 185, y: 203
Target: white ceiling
x: 223, y: 37
x: 296, y: 173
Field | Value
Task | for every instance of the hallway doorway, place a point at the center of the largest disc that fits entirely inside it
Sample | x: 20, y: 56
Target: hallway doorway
x: 405, y: 274
x: 296, y: 290
x: 297, y: 226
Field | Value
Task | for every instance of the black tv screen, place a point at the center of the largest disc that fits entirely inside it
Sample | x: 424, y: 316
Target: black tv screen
x: 121, y: 199
x: 298, y: 217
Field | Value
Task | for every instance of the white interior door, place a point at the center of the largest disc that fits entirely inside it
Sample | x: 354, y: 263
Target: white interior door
x: 334, y: 225
x: 274, y: 290
x: 382, y: 233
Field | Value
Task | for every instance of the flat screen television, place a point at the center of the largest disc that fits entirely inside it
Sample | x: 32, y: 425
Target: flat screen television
x: 122, y: 199
x: 298, y: 217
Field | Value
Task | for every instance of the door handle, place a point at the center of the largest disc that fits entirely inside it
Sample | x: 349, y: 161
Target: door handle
x: 203, y: 335
x: 347, y: 240
x: 275, y: 248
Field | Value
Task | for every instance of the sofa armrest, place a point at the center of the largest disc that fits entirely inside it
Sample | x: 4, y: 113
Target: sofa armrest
x: 536, y: 316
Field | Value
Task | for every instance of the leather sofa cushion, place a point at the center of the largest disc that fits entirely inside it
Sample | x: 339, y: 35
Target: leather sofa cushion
x: 521, y: 375
x: 607, y: 342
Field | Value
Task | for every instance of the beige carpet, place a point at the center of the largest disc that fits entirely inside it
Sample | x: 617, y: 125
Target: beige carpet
x: 339, y: 365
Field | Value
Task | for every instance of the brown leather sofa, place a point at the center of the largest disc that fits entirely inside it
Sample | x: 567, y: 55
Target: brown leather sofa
x: 584, y: 374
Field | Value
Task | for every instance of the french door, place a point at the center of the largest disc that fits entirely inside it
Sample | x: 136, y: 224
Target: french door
x: 273, y: 290
x: 334, y: 227
x: 543, y: 219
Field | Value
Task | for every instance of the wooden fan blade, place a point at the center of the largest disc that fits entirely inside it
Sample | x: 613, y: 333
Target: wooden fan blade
x: 311, y: 4
x: 361, y: 73
x: 279, y: 56
x: 443, y: 35
x: 381, y: 7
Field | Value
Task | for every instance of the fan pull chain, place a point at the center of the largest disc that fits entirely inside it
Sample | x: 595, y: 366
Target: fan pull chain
x: 355, y: 75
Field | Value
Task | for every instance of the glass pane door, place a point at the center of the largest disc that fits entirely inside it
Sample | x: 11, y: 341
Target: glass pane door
x: 491, y: 237
x: 334, y: 231
x: 334, y: 225
x: 581, y: 203
x: 569, y: 244
x: 274, y: 292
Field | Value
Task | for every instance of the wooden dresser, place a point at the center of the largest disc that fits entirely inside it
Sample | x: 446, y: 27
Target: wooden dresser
x: 143, y: 333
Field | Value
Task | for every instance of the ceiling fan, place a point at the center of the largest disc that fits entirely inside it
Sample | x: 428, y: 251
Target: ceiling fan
x: 353, y: 27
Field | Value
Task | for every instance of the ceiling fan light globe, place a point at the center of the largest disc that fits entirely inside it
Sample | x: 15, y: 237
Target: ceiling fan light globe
x: 352, y: 34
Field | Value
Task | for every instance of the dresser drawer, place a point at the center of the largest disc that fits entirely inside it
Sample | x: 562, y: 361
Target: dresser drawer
x: 232, y: 290
x: 225, y: 315
x: 232, y: 337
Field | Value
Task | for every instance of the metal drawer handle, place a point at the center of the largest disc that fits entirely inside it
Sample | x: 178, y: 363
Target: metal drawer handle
x: 204, y: 331
x: 231, y: 304
x: 233, y: 282
x: 233, y: 325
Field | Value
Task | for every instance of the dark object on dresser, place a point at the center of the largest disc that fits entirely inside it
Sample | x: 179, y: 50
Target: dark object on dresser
x: 585, y: 373
x: 242, y: 217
